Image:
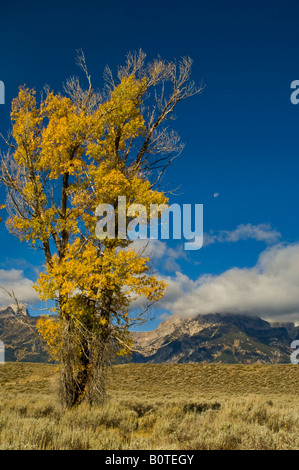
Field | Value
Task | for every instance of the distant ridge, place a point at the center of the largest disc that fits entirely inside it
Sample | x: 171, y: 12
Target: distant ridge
x: 222, y: 338
x: 227, y: 338
x: 19, y: 341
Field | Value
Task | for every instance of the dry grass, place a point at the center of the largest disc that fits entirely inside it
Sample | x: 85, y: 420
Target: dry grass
x: 156, y: 407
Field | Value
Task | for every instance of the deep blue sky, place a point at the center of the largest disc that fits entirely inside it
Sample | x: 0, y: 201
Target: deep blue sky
x: 241, y: 134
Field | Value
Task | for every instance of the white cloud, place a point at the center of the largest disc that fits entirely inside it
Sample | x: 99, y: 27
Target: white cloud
x: 149, y: 247
x: 14, y: 280
x: 270, y: 289
x: 260, y: 232
x: 159, y: 251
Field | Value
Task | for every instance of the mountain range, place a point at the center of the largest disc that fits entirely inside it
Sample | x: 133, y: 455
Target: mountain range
x: 226, y: 338
x: 20, y: 342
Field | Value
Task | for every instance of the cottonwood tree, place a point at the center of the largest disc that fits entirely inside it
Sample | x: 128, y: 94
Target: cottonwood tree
x: 67, y: 154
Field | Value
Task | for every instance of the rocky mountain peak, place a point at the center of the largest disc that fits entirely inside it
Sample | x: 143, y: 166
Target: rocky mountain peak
x: 12, y: 310
x: 216, y: 337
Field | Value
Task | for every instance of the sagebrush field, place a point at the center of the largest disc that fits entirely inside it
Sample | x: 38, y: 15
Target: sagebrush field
x: 168, y: 406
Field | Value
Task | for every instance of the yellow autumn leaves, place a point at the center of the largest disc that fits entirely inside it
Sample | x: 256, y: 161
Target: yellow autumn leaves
x: 69, y: 161
x: 88, y: 272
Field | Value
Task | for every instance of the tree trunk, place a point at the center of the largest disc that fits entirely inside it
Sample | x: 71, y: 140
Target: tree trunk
x: 83, y: 368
